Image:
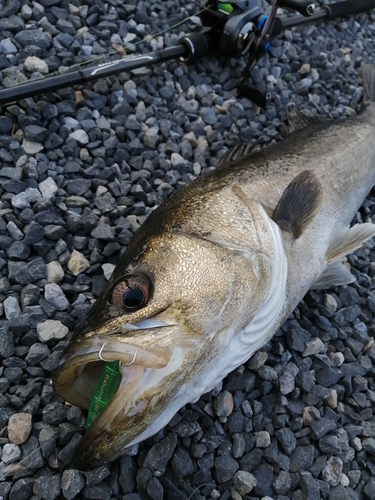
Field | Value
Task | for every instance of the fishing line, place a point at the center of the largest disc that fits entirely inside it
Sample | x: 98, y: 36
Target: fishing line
x: 146, y: 38
x: 200, y: 486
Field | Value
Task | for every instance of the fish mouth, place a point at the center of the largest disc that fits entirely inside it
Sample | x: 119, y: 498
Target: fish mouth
x: 144, y: 391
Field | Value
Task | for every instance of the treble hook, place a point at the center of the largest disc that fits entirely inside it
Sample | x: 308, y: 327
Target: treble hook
x: 106, y: 361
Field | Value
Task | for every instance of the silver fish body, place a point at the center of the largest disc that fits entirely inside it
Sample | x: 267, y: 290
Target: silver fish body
x: 215, y: 271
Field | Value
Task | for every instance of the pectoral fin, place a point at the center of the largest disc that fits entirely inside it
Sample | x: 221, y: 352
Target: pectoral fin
x: 337, y: 270
x: 349, y: 240
x: 299, y: 203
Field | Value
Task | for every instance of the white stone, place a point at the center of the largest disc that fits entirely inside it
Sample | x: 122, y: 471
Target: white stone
x: 11, y: 453
x: 48, y: 188
x: 151, y: 137
x: 81, y: 299
x: 244, y: 482
x: 33, y: 64
x: 19, y: 427
x: 31, y: 147
x: 356, y: 443
x: 14, y: 231
x: 332, y: 471
x: 337, y: 359
x: 80, y: 136
x: 26, y: 12
x: 12, y: 308
x: 20, y: 200
x: 56, y: 297
x: 21, y: 161
x: 314, y: 346
x: 108, y: 270
x: 263, y: 439
x: 55, y: 272
x: 331, y: 400
x: 7, y: 47
x: 176, y: 159
x: 344, y: 480
x: 33, y: 195
x: 133, y: 222
x: 78, y: 263
x: 314, y: 74
x: 70, y: 123
x: 329, y: 302
x: 51, y: 329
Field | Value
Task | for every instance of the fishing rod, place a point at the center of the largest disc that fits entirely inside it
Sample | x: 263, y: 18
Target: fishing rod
x: 234, y: 28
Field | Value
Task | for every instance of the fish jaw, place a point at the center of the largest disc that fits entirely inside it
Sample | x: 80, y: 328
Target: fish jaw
x: 146, y: 394
x: 151, y: 384
x: 83, y: 360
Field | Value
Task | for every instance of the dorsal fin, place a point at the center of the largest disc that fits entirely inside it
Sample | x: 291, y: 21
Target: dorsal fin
x: 299, y: 119
x: 368, y: 78
x: 238, y: 152
x: 299, y: 203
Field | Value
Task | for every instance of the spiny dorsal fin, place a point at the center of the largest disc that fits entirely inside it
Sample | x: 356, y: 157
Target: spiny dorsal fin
x: 335, y: 274
x: 238, y: 152
x: 349, y: 239
x: 299, y: 119
x: 368, y: 78
x: 299, y: 203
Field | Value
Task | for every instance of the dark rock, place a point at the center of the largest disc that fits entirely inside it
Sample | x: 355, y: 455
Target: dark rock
x: 100, y: 491
x: 328, y: 376
x: 47, y: 487
x: 264, y: 477
x: 97, y: 475
x: 155, y: 489
x: 302, y: 458
x: 54, y: 413
x: 321, y: 427
x: 309, y: 486
x: 225, y: 467
x: 249, y: 461
x: 181, y: 463
x: 33, y: 37
x: 31, y: 454
x: 72, y: 483
x: 128, y: 473
x: 159, y: 455
x: 34, y: 233
x: 22, y: 489
x: 6, y: 343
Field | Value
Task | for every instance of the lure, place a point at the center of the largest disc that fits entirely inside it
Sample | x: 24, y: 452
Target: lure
x: 105, y: 390
x: 226, y: 8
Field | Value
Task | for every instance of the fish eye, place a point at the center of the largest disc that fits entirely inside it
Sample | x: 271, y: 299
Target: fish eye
x: 132, y: 293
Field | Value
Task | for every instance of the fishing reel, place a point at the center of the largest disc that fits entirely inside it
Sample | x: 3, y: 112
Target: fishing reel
x: 244, y: 30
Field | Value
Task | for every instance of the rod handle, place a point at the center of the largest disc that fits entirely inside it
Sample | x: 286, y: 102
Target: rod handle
x: 349, y: 8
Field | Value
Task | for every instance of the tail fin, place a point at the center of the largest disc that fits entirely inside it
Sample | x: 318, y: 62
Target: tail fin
x: 368, y: 78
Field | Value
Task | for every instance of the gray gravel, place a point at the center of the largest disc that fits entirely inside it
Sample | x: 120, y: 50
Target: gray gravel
x: 80, y: 170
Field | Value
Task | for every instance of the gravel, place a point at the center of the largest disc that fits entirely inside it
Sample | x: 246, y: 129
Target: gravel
x: 80, y: 170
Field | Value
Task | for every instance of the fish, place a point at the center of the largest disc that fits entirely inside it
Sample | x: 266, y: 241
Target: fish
x: 215, y: 271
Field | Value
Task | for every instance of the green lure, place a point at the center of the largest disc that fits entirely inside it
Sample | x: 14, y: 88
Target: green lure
x: 226, y: 8
x: 105, y: 390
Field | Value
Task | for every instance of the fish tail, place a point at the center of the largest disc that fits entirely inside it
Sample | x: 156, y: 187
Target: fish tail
x: 368, y: 79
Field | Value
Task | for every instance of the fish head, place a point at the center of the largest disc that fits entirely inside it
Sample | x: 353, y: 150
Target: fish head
x: 167, y: 314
